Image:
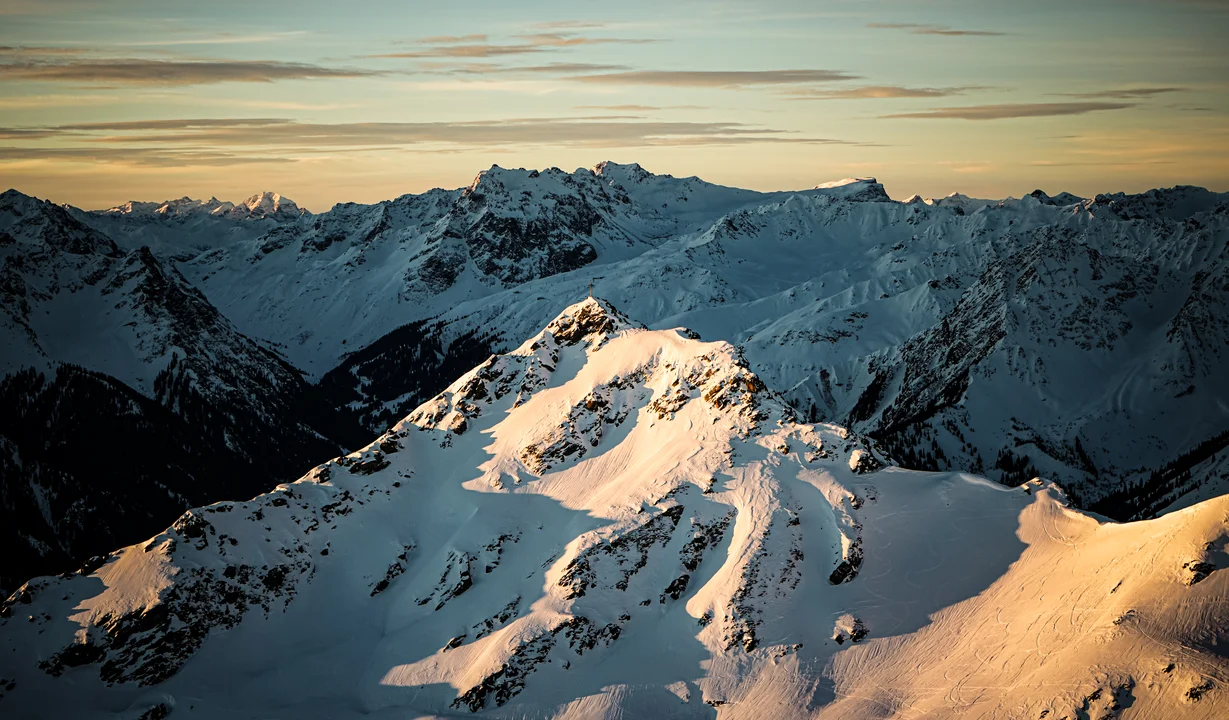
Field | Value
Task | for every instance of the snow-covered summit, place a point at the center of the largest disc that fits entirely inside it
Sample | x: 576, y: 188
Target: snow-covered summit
x: 863, y: 189
x: 271, y: 204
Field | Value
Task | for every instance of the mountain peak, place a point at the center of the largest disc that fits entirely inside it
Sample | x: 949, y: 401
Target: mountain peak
x: 589, y: 319
x: 862, y: 189
x: 1062, y: 199
x: 620, y: 173
x: 265, y: 204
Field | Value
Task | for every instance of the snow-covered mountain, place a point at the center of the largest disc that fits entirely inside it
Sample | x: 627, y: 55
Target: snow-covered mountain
x: 610, y: 521
x: 1081, y: 338
x: 1078, y: 339
x: 91, y: 333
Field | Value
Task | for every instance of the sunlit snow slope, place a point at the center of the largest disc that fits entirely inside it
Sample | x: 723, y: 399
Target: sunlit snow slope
x: 612, y: 522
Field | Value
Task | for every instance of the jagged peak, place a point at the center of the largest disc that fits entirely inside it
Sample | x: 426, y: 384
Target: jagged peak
x: 591, y: 320
x: 492, y: 173
x: 588, y: 318
x: 13, y: 198
x: 621, y: 173
x: 268, y: 202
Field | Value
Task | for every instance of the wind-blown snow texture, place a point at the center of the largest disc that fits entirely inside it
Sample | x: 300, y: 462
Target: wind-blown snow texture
x: 610, y: 521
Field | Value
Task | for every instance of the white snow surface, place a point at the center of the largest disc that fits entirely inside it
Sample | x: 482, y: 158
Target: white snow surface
x: 613, y: 522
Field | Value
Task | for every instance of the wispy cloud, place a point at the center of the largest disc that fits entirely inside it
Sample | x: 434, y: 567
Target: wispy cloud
x: 1100, y: 163
x: 157, y: 72
x: 1010, y: 110
x: 640, y: 108
x: 558, y: 68
x: 569, y: 25
x: 13, y: 51
x: 266, y: 135
x: 918, y: 29
x: 474, y: 50
x: 138, y: 156
x: 219, y: 39
x: 452, y: 39
x: 715, y: 78
x: 878, y: 92
x: 29, y: 102
x: 560, y: 39
x: 477, y: 46
x: 186, y: 124
x: 1125, y: 93
x: 26, y: 133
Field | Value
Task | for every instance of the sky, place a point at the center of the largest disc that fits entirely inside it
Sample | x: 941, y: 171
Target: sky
x: 327, y: 102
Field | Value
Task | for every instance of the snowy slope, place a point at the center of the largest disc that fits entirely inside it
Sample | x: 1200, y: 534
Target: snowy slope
x: 611, y: 522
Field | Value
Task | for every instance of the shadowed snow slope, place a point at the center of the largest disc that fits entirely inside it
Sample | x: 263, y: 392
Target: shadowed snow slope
x: 611, y: 521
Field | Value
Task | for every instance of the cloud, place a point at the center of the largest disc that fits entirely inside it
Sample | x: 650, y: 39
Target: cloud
x: 274, y: 135
x: 144, y: 157
x: 219, y: 39
x: 569, y: 25
x: 715, y: 78
x: 189, y: 124
x: 452, y: 39
x: 25, y: 133
x: 134, y: 71
x: 476, y: 50
x: 26, y: 102
x: 944, y: 30
x: 39, y: 50
x: 1011, y: 110
x: 640, y: 108
x: 878, y: 92
x: 1100, y: 163
x: 1126, y: 93
x: 558, y: 68
x: 558, y: 39
x: 476, y: 46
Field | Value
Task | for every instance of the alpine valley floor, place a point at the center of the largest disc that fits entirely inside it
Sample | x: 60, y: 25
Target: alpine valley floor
x: 616, y: 522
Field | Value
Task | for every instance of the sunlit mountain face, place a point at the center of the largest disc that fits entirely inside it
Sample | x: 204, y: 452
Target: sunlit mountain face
x: 698, y: 431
